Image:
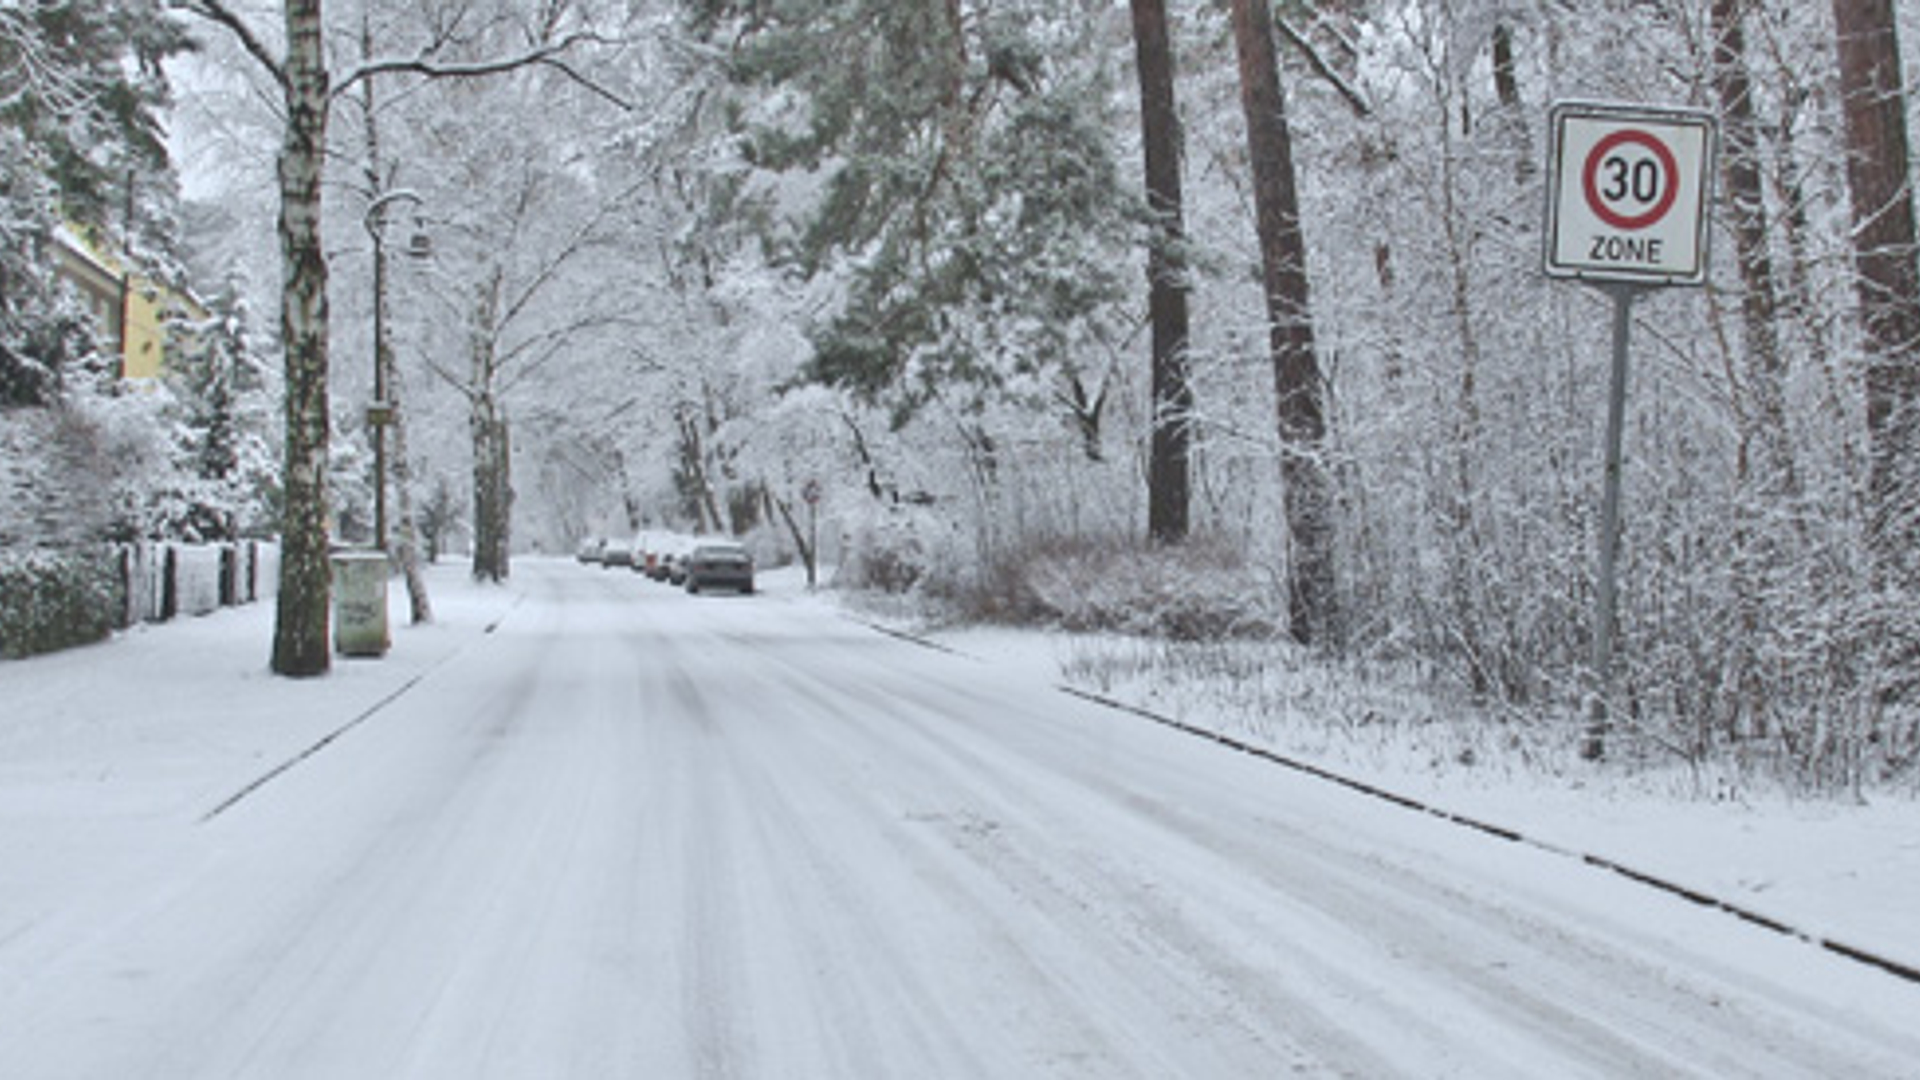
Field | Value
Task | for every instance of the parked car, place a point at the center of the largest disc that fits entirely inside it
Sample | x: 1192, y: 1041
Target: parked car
x: 591, y: 549
x: 716, y: 564
x: 646, y: 553
x: 671, y: 564
x: 616, y: 554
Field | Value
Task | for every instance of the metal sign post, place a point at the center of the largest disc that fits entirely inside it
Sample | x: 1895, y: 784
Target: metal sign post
x: 811, y: 493
x: 1627, y: 193
x: 1594, y: 746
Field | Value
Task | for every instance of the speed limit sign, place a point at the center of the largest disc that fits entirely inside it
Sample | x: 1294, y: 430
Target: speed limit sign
x: 1627, y: 193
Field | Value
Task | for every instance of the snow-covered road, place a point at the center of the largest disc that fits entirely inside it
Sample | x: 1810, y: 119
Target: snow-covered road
x: 635, y: 833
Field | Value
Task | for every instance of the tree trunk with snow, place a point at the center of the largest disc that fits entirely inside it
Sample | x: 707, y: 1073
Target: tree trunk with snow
x: 487, y: 423
x: 1880, y: 176
x: 300, y: 645
x: 1887, y: 268
x: 1167, y: 471
x: 406, y: 536
x: 1763, y: 471
x: 492, y: 491
x: 406, y: 546
x: 1766, y: 428
x: 1312, y: 601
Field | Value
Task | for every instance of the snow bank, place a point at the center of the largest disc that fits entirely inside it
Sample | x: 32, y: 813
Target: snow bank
x: 1831, y: 870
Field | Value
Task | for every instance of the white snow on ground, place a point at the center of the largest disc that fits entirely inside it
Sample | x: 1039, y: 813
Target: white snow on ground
x: 167, y: 721
x: 109, y: 754
x: 1831, y: 869
x: 105, y: 746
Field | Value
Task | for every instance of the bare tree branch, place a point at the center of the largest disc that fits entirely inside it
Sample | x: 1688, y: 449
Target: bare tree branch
x: 546, y: 55
x: 215, y: 11
x: 1325, y: 70
x: 552, y: 344
x: 592, y: 87
x: 583, y: 239
x: 456, y: 381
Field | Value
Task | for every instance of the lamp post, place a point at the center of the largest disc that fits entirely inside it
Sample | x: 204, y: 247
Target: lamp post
x: 380, y: 413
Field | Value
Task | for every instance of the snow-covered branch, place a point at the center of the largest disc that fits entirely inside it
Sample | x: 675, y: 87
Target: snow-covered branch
x: 1323, y: 68
x: 215, y: 11
x: 585, y: 237
x: 31, y: 73
x: 548, y: 55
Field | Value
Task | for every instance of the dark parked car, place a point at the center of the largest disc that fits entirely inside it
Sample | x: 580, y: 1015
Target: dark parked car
x: 719, y: 565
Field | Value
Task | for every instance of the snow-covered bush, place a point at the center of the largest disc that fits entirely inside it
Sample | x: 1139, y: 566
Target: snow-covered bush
x: 1199, y: 591
x: 888, y: 554
x: 55, y: 600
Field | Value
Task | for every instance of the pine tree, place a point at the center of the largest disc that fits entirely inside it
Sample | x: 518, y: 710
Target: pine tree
x: 1167, y: 479
x: 81, y: 94
x: 970, y: 197
x: 1313, y: 606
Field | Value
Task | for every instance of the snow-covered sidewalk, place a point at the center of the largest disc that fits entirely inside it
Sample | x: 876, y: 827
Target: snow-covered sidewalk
x: 106, y: 748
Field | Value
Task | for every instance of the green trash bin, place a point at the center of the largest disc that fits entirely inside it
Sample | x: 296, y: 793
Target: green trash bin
x: 360, y: 603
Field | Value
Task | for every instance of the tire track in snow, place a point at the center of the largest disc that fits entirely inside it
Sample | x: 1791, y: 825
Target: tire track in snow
x: 1532, y: 995
x: 1865, y: 955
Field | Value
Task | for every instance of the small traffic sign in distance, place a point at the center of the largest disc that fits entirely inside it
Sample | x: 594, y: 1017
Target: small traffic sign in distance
x: 1627, y: 193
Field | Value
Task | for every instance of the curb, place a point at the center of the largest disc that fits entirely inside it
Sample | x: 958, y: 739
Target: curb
x: 1704, y: 899
x: 1898, y: 969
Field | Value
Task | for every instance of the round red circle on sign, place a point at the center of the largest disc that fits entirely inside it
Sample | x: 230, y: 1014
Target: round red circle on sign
x: 1669, y: 180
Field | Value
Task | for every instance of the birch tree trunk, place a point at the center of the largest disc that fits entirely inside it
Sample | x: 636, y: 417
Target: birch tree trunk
x: 306, y: 576
x: 1312, y: 602
x: 1168, y: 493
x: 492, y: 483
x: 406, y: 547
x: 492, y: 490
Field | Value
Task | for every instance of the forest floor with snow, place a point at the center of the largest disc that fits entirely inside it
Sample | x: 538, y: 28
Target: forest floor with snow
x: 1839, y: 871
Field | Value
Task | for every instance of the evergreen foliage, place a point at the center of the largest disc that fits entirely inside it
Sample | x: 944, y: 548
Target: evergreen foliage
x: 81, y: 97
x: 970, y: 196
x: 55, y: 600
x: 220, y: 411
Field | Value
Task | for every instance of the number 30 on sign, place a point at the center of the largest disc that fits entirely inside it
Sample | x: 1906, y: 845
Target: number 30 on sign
x: 1627, y: 193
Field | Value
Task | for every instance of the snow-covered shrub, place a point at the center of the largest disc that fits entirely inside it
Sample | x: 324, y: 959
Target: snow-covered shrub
x: 889, y: 553
x: 55, y: 600
x: 1198, y: 591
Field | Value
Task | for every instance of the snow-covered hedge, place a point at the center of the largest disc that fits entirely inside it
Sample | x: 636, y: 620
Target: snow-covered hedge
x: 1202, y: 590
x: 1198, y: 591
x: 52, y: 600
x: 56, y: 600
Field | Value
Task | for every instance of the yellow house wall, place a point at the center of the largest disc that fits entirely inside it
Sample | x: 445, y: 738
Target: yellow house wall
x: 146, y: 345
x: 132, y: 316
x: 97, y: 283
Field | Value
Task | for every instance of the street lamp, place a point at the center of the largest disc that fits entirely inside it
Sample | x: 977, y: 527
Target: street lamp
x: 380, y: 413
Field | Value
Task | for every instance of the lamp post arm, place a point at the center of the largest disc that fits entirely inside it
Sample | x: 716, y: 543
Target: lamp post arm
x: 375, y: 217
